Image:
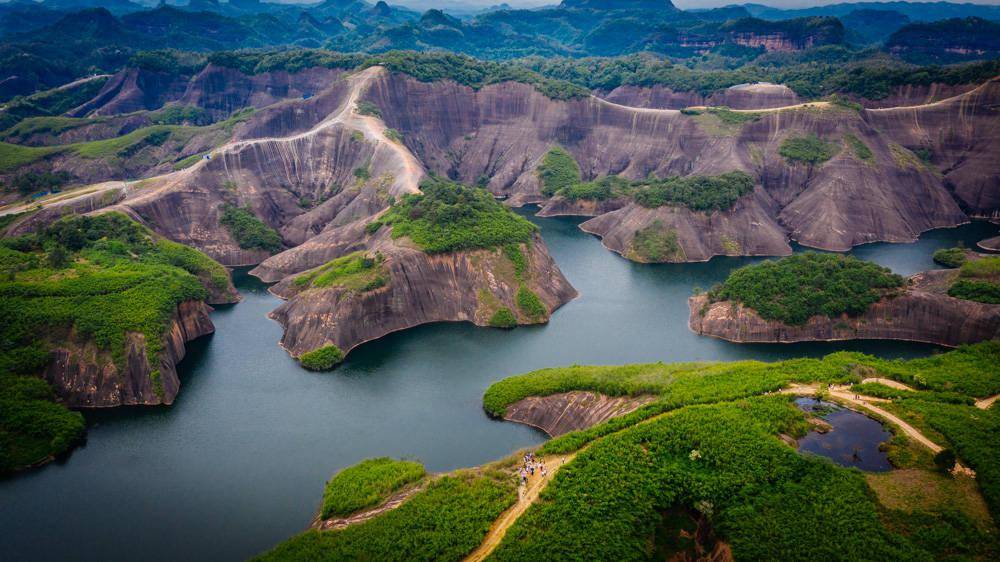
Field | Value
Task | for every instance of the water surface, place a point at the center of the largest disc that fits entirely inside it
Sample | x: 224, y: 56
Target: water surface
x: 238, y: 462
x: 854, y: 440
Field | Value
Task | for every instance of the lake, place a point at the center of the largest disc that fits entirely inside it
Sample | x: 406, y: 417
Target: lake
x: 238, y: 463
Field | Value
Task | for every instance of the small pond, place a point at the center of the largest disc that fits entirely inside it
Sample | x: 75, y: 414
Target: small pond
x: 853, y: 441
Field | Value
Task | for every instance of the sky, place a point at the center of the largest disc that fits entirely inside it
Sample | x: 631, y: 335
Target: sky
x: 683, y: 4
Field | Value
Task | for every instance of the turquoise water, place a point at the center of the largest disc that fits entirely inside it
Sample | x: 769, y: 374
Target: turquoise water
x: 239, y: 461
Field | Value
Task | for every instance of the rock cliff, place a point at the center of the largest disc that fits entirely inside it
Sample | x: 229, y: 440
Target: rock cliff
x: 958, y: 136
x: 923, y: 313
x: 501, y: 132
x: 467, y: 286
x: 561, y: 413
x: 83, y: 377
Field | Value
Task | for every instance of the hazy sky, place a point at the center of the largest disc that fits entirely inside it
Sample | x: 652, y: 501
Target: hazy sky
x: 685, y: 4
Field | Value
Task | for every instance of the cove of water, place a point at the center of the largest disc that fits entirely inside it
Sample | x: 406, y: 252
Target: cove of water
x: 238, y: 463
x: 853, y: 442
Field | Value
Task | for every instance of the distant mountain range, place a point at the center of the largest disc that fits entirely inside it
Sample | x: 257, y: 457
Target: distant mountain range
x: 48, y: 43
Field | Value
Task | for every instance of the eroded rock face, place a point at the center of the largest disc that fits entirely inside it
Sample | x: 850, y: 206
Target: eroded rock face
x: 923, y: 313
x: 82, y: 377
x: 745, y: 230
x: 960, y: 136
x: 561, y: 413
x: 467, y: 286
x: 501, y: 132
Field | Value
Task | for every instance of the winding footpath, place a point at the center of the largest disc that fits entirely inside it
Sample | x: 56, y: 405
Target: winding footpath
x: 526, y: 495
x: 407, y: 178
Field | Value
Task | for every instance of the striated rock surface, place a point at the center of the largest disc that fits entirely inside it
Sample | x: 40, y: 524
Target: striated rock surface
x: 84, y: 378
x: 502, y: 131
x: 561, y: 413
x: 464, y: 286
x: 923, y: 313
x: 560, y: 206
x: 959, y: 136
x: 745, y: 230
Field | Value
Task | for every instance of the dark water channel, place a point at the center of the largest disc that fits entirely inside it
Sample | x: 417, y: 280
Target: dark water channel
x: 853, y: 439
x: 239, y: 461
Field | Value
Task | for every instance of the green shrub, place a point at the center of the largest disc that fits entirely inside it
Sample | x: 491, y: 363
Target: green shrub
x: 601, y: 189
x: 529, y: 303
x: 446, y: 521
x: 503, y: 318
x: 393, y: 135
x: 656, y: 243
x: 518, y: 259
x: 33, y: 182
x: 322, y: 359
x: 249, y: 231
x: 13, y: 156
x: 796, y: 288
x: 355, y: 272
x: 448, y: 217
x: 181, y: 115
x: 972, y: 290
x: 365, y: 107
x: 367, y: 484
x: 950, y: 257
x: 945, y: 460
x: 558, y: 171
x: 33, y: 426
x: 698, y: 193
x: 373, y: 227
x: 810, y: 150
x: 979, y: 280
x: 859, y: 148
x: 363, y: 173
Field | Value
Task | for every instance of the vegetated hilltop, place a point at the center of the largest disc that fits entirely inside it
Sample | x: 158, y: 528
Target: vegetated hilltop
x: 100, y: 308
x: 311, y: 175
x: 946, y: 41
x: 449, y: 253
x: 823, y: 297
x: 705, y: 467
x: 50, y: 44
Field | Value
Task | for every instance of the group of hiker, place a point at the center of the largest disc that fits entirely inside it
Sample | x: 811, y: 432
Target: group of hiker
x: 531, y: 464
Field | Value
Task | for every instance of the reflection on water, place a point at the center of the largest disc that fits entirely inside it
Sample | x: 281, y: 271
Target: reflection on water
x: 853, y: 441
x: 239, y: 461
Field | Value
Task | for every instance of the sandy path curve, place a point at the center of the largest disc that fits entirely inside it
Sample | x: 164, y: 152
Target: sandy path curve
x: 985, y: 403
x: 526, y: 495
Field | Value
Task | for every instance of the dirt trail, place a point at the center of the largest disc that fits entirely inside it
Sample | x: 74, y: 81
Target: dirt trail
x: 408, y: 178
x: 985, y: 403
x: 888, y: 382
x: 526, y: 495
x: 843, y: 394
x: 392, y: 503
x: 805, y: 105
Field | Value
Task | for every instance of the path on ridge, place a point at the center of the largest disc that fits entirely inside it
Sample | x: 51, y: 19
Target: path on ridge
x: 525, y: 497
x: 345, y: 114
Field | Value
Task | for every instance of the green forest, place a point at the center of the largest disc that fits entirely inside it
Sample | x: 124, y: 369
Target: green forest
x: 448, y: 217
x: 796, y: 288
x: 98, y: 278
